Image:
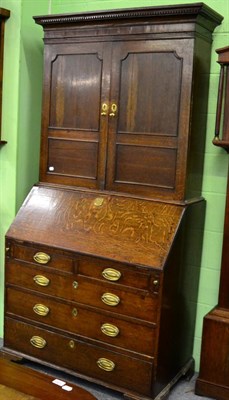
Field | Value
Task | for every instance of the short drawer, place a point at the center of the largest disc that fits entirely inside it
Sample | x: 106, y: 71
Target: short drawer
x: 80, y: 321
x: 89, y: 360
x: 41, y: 256
x: 137, y: 304
x: 114, y: 272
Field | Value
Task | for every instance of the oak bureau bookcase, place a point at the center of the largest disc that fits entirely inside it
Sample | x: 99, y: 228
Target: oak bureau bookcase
x: 99, y: 281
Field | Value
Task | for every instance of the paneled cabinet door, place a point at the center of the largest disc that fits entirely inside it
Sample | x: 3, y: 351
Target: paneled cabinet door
x: 132, y: 98
x: 75, y: 112
x: 148, y: 135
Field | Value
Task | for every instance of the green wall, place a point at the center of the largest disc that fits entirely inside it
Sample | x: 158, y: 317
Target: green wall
x: 19, y: 158
x: 21, y: 127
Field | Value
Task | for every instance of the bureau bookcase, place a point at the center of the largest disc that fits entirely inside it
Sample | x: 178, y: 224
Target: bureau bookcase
x: 98, y: 279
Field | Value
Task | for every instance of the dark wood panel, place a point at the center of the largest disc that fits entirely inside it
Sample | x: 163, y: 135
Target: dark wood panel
x: 214, y: 365
x: 150, y: 85
x: 140, y: 165
x: 73, y: 158
x: 76, y: 91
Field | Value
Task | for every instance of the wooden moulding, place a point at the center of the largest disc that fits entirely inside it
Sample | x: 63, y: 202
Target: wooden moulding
x: 4, y: 14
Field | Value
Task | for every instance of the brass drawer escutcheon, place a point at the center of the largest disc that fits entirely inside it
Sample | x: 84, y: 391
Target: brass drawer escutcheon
x: 71, y: 344
x: 111, y: 274
x: 110, y: 299
x: 74, y: 312
x: 98, y: 202
x: 110, y: 330
x: 38, y: 342
x: 75, y: 284
x: 41, y: 280
x: 105, y: 364
x: 41, y: 309
x: 41, y: 258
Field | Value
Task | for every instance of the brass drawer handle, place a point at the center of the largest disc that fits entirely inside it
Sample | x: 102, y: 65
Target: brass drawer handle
x: 41, y: 309
x: 111, y: 274
x: 41, y: 258
x: 105, y: 364
x: 110, y: 299
x: 38, y: 342
x: 41, y: 280
x: 110, y: 330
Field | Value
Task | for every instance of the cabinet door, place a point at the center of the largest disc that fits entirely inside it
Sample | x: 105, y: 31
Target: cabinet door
x: 74, y: 131
x: 148, y: 135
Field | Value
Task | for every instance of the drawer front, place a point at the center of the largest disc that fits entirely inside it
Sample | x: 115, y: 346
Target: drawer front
x: 138, y: 304
x: 77, y: 320
x: 109, y: 271
x: 93, y: 361
x: 41, y: 256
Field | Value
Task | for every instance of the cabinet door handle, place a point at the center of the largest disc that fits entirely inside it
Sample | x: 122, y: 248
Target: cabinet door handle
x: 111, y: 274
x: 41, y: 280
x: 106, y: 364
x: 38, y: 342
x: 110, y: 299
x: 104, y: 109
x: 114, y: 109
x: 41, y: 309
x: 110, y: 330
x: 41, y: 258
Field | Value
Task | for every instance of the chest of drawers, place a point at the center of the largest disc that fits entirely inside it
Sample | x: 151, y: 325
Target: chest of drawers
x: 80, y: 299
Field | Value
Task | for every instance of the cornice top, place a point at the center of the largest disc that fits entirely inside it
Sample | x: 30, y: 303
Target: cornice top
x: 185, y: 10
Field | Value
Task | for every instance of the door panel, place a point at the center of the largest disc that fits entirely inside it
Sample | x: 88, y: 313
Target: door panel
x: 148, y: 137
x: 74, y: 132
x: 76, y: 91
x: 143, y: 97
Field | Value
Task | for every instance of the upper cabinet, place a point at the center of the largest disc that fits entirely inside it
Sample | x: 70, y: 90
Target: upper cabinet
x: 118, y: 99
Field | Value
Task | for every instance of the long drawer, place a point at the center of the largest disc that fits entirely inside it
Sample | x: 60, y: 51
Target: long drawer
x: 94, y: 361
x: 78, y: 320
x: 73, y: 287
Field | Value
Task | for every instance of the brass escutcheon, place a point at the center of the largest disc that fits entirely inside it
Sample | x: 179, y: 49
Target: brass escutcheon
x: 38, y: 342
x: 41, y: 280
x: 110, y: 299
x: 41, y: 309
x: 110, y: 330
x: 75, y: 284
x: 98, y: 202
x: 41, y: 258
x: 106, y: 364
x: 111, y: 274
x: 104, y: 109
x: 71, y: 344
x: 74, y: 312
x: 114, y: 109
